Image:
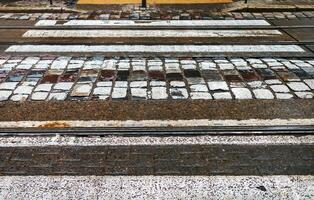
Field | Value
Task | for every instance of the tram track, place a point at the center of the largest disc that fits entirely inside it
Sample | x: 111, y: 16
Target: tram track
x: 163, y: 131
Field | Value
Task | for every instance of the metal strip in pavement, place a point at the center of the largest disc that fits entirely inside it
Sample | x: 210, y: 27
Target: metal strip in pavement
x: 153, y: 48
x: 150, y: 34
x: 147, y: 23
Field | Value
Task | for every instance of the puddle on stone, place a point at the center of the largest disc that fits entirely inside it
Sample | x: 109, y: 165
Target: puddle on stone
x: 189, y: 73
x: 69, y: 76
x: 249, y: 75
x: 286, y: 75
x: 212, y: 75
x: 301, y: 73
x: 266, y: 74
x: 16, y: 76
x: 139, y: 76
x: 156, y: 75
x: 123, y: 75
x: 50, y: 79
x: 3, y: 75
x: 232, y: 76
x: 174, y: 77
x: 36, y: 73
x: 89, y: 72
x: 107, y: 75
x: 87, y: 79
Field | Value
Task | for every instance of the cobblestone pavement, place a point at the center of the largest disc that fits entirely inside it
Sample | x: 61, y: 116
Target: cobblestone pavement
x: 157, y: 187
x: 89, y: 78
x: 160, y: 15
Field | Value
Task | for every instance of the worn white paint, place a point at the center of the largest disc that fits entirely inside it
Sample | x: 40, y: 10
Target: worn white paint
x: 161, y: 123
x: 46, y: 23
x: 148, y: 34
x: 147, y: 23
x: 153, y: 48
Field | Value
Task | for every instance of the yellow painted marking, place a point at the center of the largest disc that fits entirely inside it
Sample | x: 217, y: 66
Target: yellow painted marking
x: 187, y: 1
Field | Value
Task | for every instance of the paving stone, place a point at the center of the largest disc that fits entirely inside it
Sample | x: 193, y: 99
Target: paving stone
x: 298, y: 86
x: 19, y: 97
x: 280, y: 88
x: 159, y: 93
x: 43, y: 87
x: 304, y: 95
x: 104, y: 84
x: 207, y: 65
x: 104, y: 91
x: 157, y: 83
x: 226, y: 66
x: 198, y: 88
x: 237, y: 85
x: 23, y: 90
x: 4, y: 95
x: 310, y: 83
x: 195, y: 81
x: 177, y: 84
x: 39, y: 96
x: 263, y: 94
x: 257, y: 84
x: 200, y: 95
x: 273, y: 81
x: 222, y: 95
x: 119, y: 93
x: 63, y: 86
x: 139, y: 93
x: 242, y: 93
x: 179, y: 93
x: 284, y: 96
x: 217, y: 85
x: 81, y: 90
x: 58, y: 96
x: 29, y: 83
x: 121, y: 84
x: 8, y: 85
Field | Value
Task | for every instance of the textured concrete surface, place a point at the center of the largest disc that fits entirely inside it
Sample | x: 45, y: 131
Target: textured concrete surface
x: 198, y: 155
x: 157, y: 187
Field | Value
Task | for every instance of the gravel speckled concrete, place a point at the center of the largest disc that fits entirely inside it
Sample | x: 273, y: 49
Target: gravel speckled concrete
x: 112, y: 140
x: 157, y: 187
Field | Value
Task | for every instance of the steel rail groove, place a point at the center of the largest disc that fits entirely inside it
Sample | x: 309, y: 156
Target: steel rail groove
x: 162, y: 131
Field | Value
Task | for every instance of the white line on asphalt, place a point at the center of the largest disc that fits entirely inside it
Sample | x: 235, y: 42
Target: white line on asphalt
x: 157, y: 187
x: 156, y: 23
x: 148, y: 34
x: 160, y: 123
x: 153, y: 48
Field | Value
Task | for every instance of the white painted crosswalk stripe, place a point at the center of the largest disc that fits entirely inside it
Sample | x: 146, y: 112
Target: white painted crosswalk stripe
x: 155, y: 23
x: 154, y: 48
x: 145, y: 33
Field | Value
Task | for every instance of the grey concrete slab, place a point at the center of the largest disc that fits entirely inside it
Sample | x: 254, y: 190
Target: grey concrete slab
x: 300, y: 34
x: 156, y: 187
